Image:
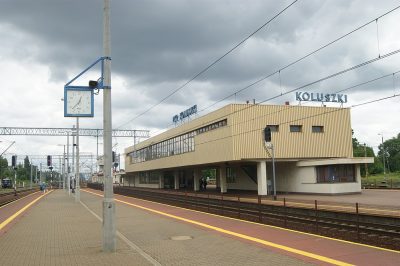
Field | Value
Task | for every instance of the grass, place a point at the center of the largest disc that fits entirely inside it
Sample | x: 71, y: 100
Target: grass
x: 381, y: 180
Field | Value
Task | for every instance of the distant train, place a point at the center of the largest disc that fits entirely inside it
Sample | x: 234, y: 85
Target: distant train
x: 6, y: 183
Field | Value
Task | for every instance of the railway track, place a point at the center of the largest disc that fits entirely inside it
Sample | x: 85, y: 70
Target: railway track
x: 8, y: 197
x: 356, y: 226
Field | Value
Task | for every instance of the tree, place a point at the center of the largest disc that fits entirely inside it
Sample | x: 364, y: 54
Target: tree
x: 27, y: 166
x: 391, y: 152
x: 362, y: 150
x: 3, y: 166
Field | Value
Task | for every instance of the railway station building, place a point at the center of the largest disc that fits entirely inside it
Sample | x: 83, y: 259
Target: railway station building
x: 312, y: 151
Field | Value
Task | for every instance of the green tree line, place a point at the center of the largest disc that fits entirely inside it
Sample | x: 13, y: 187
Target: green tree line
x: 388, y: 152
x: 23, y: 170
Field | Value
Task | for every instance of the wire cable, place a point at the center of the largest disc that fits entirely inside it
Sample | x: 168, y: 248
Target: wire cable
x: 297, y: 61
x: 303, y: 118
x: 211, y: 65
x: 302, y: 58
x: 311, y: 83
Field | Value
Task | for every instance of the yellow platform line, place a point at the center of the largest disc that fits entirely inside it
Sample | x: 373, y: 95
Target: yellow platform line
x: 15, y: 215
x: 246, y: 237
x: 265, y: 225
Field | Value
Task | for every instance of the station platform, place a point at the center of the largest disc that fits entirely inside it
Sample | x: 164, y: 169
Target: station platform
x: 52, y: 229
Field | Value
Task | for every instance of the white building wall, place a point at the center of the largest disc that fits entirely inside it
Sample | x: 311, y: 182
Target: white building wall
x: 304, y: 180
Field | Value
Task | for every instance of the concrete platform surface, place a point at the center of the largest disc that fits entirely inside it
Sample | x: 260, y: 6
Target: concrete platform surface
x: 58, y: 231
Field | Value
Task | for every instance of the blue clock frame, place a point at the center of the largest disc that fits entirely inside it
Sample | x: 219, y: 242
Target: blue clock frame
x: 99, y: 86
x: 78, y: 88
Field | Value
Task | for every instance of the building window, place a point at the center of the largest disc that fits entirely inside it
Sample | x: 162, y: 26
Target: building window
x: 142, y: 178
x: 154, y: 177
x: 230, y: 175
x: 318, y: 129
x: 274, y: 128
x: 296, y: 128
x: 336, y: 173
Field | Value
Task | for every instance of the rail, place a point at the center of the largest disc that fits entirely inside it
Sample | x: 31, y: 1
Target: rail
x: 8, y: 197
x: 354, y: 223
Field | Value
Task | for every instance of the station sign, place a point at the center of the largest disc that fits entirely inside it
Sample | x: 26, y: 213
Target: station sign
x: 321, y: 97
x: 182, y: 115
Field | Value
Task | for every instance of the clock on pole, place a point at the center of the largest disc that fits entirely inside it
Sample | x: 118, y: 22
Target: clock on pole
x: 78, y: 101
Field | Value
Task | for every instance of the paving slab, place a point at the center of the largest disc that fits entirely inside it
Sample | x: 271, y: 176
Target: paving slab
x: 58, y: 231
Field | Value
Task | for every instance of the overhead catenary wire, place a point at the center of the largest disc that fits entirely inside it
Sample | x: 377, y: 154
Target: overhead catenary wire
x: 212, y: 64
x: 303, y: 118
x: 297, y: 61
x: 311, y: 83
x: 302, y: 58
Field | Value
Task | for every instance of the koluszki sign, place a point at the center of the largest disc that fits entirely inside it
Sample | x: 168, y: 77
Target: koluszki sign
x: 321, y: 97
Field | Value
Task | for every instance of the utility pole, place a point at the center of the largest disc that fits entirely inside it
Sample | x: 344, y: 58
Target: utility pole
x: 366, y: 165
x: 273, y: 168
x: 40, y: 174
x: 77, y: 190
x: 73, y: 157
x: 63, y: 170
x: 383, y: 155
x: 109, y: 230
x: 68, y: 172
x: 31, y: 177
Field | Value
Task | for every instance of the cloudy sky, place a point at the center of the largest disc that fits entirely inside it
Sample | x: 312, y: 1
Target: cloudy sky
x: 157, y: 46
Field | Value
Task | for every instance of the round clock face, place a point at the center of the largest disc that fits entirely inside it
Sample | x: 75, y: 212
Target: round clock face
x: 79, y: 102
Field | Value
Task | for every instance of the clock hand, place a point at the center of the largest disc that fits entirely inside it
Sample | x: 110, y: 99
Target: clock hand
x: 80, y: 99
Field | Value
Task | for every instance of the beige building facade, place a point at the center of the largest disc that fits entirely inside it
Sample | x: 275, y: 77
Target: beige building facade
x: 312, y: 148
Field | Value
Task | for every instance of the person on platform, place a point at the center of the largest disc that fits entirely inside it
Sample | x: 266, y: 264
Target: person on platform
x: 205, y: 183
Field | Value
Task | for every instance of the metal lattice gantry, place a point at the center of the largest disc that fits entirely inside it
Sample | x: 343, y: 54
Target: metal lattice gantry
x: 36, y: 131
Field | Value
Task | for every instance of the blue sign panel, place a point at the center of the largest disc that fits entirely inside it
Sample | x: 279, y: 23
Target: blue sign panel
x: 188, y: 112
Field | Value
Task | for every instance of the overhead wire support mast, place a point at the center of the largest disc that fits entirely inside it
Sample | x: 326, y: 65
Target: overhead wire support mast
x: 89, y: 132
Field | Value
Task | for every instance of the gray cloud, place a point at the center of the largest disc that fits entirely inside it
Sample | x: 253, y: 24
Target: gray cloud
x: 158, y: 45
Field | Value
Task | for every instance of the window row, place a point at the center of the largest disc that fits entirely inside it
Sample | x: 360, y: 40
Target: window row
x: 178, y: 145
x: 297, y: 128
x: 212, y: 126
x: 336, y: 173
x: 149, y: 177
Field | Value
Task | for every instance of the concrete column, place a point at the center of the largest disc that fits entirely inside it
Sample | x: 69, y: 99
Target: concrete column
x: 176, y: 179
x: 217, y: 179
x: 222, y: 179
x: 262, y: 178
x: 196, y: 179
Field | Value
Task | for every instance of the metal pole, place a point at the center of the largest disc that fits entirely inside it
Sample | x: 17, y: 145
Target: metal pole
x: 97, y: 152
x: 15, y: 181
x: 59, y: 176
x: 68, y: 177
x: 109, y: 230
x: 31, y: 177
x: 273, y: 169
x: 77, y: 189
x: 63, y: 169
x: 73, y: 151
x: 383, y: 157
x: 40, y: 175
x: 366, y: 165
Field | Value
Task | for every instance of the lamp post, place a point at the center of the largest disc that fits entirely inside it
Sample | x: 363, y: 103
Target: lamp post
x: 383, y: 154
x: 77, y: 189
